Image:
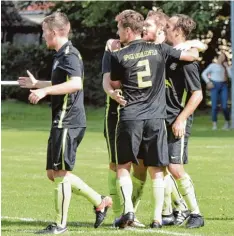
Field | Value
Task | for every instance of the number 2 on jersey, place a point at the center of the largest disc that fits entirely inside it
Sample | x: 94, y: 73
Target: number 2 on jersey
x: 142, y: 74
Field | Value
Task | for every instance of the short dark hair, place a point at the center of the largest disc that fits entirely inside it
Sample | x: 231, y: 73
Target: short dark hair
x: 132, y: 19
x: 58, y: 20
x: 159, y: 17
x: 185, y: 23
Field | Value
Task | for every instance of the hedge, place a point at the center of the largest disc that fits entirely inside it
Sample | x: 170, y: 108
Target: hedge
x: 38, y: 59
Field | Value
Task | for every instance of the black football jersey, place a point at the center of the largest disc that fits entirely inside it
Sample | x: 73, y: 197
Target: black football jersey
x: 181, y: 79
x: 140, y: 68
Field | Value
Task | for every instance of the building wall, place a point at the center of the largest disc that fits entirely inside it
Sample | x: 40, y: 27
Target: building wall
x: 26, y: 39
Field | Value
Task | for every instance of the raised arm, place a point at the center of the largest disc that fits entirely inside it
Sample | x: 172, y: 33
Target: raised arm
x: 189, y: 55
x: 228, y: 70
x: 200, y: 46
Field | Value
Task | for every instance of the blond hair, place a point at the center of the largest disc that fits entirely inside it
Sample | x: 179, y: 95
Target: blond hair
x: 58, y: 21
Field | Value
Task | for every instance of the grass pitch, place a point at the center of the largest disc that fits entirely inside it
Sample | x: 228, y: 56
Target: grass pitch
x: 27, y: 195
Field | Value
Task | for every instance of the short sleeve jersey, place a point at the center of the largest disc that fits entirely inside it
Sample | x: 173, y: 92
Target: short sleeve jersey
x: 140, y: 68
x: 111, y: 105
x: 181, y: 79
x: 67, y: 109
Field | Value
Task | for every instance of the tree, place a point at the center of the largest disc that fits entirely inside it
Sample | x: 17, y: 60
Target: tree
x: 93, y: 22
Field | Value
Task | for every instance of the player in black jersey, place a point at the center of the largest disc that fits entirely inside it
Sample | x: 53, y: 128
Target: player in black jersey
x: 157, y: 35
x: 184, y: 93
x: 188, y: 83
x: 110, y: 124
x: 138, y: 69
x: 68, y: 121
x: 155, y: 31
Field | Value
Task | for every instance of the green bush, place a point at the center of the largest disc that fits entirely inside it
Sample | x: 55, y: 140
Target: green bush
x: 38, y: 59
x: 16, y: 60
x: 93, y: 91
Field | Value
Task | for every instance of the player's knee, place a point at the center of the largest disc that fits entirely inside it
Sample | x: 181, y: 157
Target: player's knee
x: 156, y: 172
x: 112, y: 166
x: 140, y: 173
x: 50, y: 175
x: 176, y: 170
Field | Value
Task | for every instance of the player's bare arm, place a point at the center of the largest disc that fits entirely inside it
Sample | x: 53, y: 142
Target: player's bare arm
x: 112, y: 89
x: 71, y: 86
x: 32, y: 82
x: 200, y: 46
x: 178, y: 127
x: 112, y: 44
x: 189, y: 55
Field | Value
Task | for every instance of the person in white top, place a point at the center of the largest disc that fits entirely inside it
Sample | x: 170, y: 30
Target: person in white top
x: 215, y: 76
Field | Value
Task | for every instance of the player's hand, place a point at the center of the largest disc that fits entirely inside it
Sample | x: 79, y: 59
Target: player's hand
x: 209, y: 85
x: 113, y: 44
x: 36, y: 95
x: 178, y: 128
x: 117, y: 96
x: 27, y: 82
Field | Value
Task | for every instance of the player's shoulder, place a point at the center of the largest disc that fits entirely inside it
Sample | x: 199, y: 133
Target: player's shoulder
x: 71, y: 52
x: 149, y: 44
x: 119, y: 50
x: 194, y: 65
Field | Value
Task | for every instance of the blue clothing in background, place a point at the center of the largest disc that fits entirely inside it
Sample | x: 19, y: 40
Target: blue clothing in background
x: 220, y: 91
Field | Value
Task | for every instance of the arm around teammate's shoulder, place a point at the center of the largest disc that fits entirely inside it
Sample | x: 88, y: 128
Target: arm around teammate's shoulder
x: 169, y: 51
x: 189, y: 55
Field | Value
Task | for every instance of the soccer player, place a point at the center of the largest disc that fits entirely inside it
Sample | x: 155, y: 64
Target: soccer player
x: 68, y: 121
x: 191, y: 85
x: 109, y: 134
x: 157, y: 21
x: 110, y: 124
x: 155, y: 31
x: 138, y: 69
x: 184, y: 94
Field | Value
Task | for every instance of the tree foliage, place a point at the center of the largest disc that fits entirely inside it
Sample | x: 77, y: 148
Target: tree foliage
x: 93, y: 23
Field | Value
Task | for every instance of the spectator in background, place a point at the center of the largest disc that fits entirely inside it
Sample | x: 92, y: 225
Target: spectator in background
x: 215, y: 76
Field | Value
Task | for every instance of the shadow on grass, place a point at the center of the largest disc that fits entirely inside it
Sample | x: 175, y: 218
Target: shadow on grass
x: 7, y: 223
x: 219, y: 218
x: 214, y: 134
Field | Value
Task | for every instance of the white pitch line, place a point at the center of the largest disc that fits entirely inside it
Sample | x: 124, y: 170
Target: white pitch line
x: 22, y: 219
x: 114, y: 231
x: 148, y: 231
x: 9, y: 82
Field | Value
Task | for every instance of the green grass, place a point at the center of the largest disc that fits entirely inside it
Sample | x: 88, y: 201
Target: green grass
x: 26, y: 192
